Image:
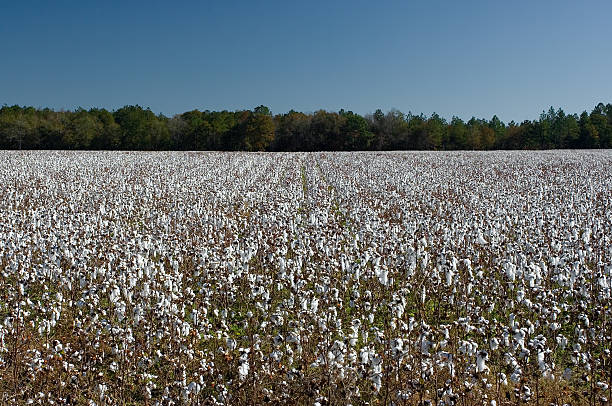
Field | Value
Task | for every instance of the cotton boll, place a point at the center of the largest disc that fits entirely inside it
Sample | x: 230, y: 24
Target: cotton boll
x: 383, y: 277
x: 515, y: 377
x: 449, y: 276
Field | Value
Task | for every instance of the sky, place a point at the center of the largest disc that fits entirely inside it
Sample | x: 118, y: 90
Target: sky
x: 456, y: 58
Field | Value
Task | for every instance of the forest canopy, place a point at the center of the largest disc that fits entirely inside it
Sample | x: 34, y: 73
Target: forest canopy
x: 138, y: 128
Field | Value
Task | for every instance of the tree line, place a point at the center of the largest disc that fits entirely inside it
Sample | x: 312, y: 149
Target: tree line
x: 138, y: 128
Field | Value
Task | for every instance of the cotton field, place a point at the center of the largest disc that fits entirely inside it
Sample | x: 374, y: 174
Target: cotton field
x: 428, y: 278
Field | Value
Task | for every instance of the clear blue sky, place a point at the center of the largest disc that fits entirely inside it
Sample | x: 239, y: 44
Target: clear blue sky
x: 464, y: 58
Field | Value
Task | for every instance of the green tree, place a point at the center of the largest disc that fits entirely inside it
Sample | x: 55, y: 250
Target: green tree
x: 291, y: 131
x: 325, y: 131
x: 51, y: 128
x: 262, y: 110
x: 599, y: 120
x: 258, y: 130
x: 81, y: 130
x: 178, y: 128
x: 109, y: 137
x: 355, y: 133
x: 436, y: 132
x: 499, y: 129
x: 19, y: 127
x: 457, y: 134
x: 589, y: 138
x: 141, y: 129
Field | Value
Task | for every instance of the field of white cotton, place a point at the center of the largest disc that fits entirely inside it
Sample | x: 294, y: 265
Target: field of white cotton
x: 403, y: 278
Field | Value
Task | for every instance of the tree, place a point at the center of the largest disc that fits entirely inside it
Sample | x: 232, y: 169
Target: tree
x: 225, y: 128
x: 325, y: 131
x: 480, y: 136
x: 457, y: 134
x: 355, y: 134
x: 178, y: 128
x: 390, y: 131
x: 291, y: 131
x: 258, y: 132
x: 81, y: 130
x: 599, y: 120
x: 51, y: 128
x: 570, y: 132
x: 141, y: 129
x: 18, y: 127
x: 545, y: 127
x: 436, y: 133
x: 589, y: 138
x: 499, y: 129
x: 262, y: 110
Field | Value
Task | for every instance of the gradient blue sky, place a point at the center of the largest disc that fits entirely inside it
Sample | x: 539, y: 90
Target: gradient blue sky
x: 464, y: 58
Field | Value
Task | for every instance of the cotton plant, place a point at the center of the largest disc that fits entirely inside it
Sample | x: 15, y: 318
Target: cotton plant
x: 215, y: 278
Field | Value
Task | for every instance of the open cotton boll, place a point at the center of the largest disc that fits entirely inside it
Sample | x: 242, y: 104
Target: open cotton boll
x: 481, y: 357
x: 382, y: 275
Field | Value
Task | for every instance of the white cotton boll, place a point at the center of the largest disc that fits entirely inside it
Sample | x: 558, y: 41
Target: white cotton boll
x: 243, y: 370
x: 331, y: 357
x: 512, y: 321
x: 276, y: 355
x: 194, y: 388
x: 364, y: 356
x: 494, y: 343
x: 516, y: 376
x: 185, y: 329
x: 137, y: 314
x: 376, y: 363
x: 530, y: 279
x: 449, y: 276
x: 383, y: 277
x: 115, y: 294
x: 425, y: 345
x: 510, y: 271
x: 55, y: 316
x: 145, y: 290
x: 425, y: 260
x: 102, y: 390
x: 377, y: 382
x: 314, y: 305
x: 519, y: 338
x: 481, y: 358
